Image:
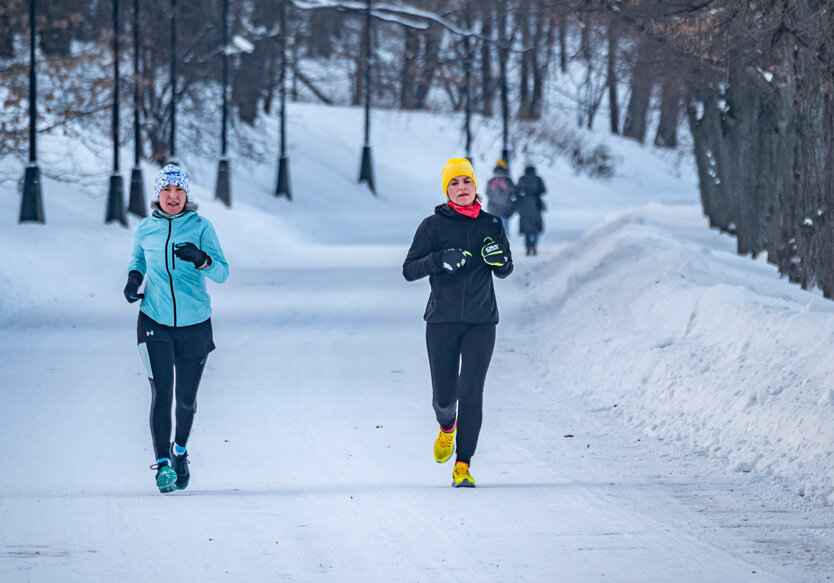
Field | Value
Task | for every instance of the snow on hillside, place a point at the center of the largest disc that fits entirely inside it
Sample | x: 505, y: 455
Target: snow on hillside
x: 657, y: 407
x: 656, y: 318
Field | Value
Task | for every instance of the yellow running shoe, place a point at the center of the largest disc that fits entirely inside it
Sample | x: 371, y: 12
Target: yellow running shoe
x: 461, y: 476
x: 444, y: 445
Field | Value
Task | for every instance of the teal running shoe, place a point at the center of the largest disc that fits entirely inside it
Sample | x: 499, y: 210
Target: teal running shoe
x: 166, y: 478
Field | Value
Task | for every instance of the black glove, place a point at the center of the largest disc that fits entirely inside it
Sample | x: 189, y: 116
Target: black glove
x: 493, y: 253
x: 190, y: 252
x: 453, y: 259
x: 134, y: 280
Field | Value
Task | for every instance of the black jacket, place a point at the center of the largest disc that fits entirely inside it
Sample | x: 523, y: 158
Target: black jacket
x: 467, y: 295
x: 529, y: 204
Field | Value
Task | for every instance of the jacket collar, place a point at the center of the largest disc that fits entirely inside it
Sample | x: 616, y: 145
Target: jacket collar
x: 161, y: 215
x: 447, y: 211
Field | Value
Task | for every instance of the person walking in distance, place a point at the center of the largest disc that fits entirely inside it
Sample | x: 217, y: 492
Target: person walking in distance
x: 460, y: 247
x: 530, y: 206
x: 500, y: 195
x: 174, y: 251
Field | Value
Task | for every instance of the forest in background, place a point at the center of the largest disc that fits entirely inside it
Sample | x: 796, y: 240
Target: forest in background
x: 750, y: 81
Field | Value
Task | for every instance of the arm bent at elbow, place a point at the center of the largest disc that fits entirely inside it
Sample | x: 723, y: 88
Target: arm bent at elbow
x: 415, y: 269
x: 218, y: 269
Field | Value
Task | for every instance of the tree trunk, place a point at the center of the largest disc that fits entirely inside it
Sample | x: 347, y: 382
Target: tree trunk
x: 667, y: 130
x: 324, y: 25
x: 246, y: 87
x: 744, y: 98
x: 409, y: 69
x: 273, y: 65
x: 535, y: 108
x: 431, y: 62
x: 359, y: 70
x: 642, y: 82
x: 487, y: 80
x: 613, y: 103
x: 712, y: 157
x: 781, y: 232
x: 7, y: 35
x: 526, y: 57
x: 56, y: 23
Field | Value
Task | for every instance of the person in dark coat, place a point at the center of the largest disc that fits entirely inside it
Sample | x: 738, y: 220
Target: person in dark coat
x: 460, y: 248
x: 530, y: 206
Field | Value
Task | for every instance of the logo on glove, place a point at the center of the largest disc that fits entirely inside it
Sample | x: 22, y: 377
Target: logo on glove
x: 492, y: 253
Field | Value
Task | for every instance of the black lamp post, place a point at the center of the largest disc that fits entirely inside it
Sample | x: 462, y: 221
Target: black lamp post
x: 467, y: 74
x: 283, y: 186
x: 136, y: 205
x: 31, y: 205
x: 223, y: 190
x: 366, y: 171
x: 116, y: 196
x: 173, y: 82
x: 504, y: 51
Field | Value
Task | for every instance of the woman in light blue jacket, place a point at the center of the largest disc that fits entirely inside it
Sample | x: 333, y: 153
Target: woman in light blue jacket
x: 174, y: 250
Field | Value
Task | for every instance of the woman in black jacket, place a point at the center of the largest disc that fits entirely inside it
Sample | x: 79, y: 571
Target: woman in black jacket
x: 459, y: 247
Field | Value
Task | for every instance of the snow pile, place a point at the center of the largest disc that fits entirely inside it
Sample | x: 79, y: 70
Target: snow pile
x: 655, y: 318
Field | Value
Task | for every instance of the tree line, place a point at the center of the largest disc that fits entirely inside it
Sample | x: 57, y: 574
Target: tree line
x: 757, y: 80
x: 752, y: 79
x: 419, y: 59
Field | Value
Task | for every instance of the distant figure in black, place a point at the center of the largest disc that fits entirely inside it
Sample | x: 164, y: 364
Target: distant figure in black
x: 530, y: 206
x: 501, y: 194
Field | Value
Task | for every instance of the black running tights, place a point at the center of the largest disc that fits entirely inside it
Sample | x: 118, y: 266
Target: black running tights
x: 163, y: 363
x: 459, y: 356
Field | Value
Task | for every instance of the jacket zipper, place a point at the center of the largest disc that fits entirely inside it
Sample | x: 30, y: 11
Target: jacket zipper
x: 168, y: 269
x: 468, y: 248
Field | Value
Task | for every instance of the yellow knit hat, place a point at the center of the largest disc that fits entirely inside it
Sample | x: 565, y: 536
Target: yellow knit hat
x: 457, y: 167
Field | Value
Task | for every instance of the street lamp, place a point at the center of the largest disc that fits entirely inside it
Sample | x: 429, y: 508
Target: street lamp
x: 467, y: 74
x: 115, y: 196
x: 503, y: 53
x: 223, y: 191
x: 366, y: 170
x: 173, y: 82
x: 137, y: 186
x: 31, y: 205
x: 282, y: 188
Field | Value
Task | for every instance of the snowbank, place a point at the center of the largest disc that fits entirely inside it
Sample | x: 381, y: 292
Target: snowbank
x: 655, y: 318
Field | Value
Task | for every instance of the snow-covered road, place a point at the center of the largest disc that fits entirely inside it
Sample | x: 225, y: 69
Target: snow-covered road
x: 312, y: 456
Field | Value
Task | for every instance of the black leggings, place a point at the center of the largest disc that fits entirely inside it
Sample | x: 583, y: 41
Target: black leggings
x: 459, y: 356
x: 167, y: 350
x: 189, y: 371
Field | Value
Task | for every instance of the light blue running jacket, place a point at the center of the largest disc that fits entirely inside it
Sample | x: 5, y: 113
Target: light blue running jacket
x: 175, y: 291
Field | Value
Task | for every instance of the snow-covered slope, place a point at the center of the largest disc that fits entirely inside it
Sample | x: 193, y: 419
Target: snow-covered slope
x: 657, y: 319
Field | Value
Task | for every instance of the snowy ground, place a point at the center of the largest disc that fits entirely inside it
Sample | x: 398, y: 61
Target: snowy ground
x: 654, y: 409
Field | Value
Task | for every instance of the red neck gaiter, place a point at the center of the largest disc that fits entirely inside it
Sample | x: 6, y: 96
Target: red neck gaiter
x: 470, y: 211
